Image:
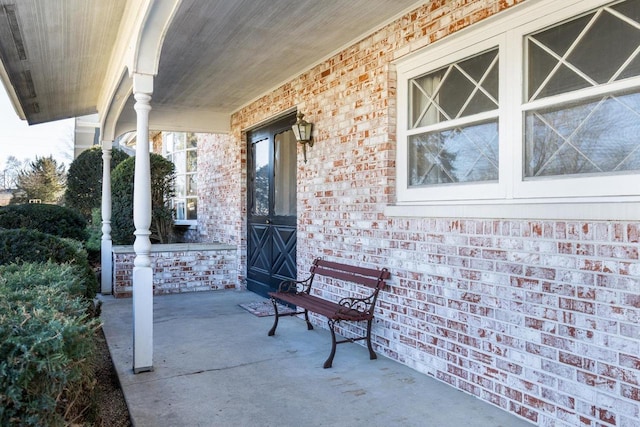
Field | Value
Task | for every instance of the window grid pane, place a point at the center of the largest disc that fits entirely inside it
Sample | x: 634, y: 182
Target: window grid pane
x: 596, y: 136
x: 181, y: 149
x: 462, y: 154
x: 459, y: 90
x: 589, y: 136
x: 260, y: 205
x: 598, y: 48
x: 192, y: 208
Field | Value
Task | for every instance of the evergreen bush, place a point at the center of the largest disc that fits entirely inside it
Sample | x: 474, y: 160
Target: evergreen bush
x: 51, y: 219
x: 43, y: 180
x: 94, y: 241
x: 162, y: 216
x: 84, y: 179
x: 47, y: 346
x: 29, y: 246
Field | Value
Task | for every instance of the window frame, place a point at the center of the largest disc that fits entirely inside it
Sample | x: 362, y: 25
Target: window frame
x: 443, y: 57
x: 171, y: 156
x: 563, y: 197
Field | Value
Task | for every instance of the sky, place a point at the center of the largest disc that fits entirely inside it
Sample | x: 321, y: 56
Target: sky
x: 26, y: 142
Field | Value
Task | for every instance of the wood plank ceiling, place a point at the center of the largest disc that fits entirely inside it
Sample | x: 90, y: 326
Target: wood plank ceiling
x: 217, y: 54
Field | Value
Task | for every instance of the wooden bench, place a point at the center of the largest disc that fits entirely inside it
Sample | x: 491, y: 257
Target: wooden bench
x: 298, y: 293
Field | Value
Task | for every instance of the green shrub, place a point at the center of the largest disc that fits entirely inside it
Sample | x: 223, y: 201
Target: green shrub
x: 162, y: 179
x: 93, y: 244
x: 29, y: 246
x: 122, y: 226
x: 47, y: 346
x: 84, y: 180
x: 64, y: 276
x: 50, y: 219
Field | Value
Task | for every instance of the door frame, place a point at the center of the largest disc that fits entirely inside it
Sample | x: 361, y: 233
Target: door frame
x: 273, y: 236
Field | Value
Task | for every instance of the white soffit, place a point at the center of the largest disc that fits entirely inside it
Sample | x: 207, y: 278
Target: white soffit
x: 56, y: 53
x: 217, y: 55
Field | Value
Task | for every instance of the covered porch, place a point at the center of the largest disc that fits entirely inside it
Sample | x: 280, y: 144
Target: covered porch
x: 216, y: 366
x: 515, y: 281
x: 193, y: 63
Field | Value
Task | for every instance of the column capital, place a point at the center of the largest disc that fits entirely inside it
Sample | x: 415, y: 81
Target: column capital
x: 142, y: 83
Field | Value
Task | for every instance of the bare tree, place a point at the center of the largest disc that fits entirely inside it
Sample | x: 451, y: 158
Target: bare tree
x: 10, y: 172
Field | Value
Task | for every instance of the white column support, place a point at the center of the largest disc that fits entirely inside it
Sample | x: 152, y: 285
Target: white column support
x: 106, y: 278
x: 142, y: 272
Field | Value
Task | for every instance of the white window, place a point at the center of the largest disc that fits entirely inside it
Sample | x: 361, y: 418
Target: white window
x: 534, y: 113
x: 455, y: 112
x: 181, y: 148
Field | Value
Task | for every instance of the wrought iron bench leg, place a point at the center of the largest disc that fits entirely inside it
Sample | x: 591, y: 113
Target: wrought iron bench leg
x: 275, y: 318
x: 306, y: 318
x: 329, y: 361
x: 372, y: 354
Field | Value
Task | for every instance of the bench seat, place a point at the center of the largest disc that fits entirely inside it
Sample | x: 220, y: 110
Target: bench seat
x: 354, y: 309
x: 330, y: 310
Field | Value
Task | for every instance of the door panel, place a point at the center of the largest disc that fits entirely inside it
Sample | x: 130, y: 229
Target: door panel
x: 260, y: 259
x: 271, y: 210
x: 283, y: 260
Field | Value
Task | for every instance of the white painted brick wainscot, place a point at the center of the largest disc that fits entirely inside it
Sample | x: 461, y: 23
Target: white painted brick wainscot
x: 180, y: 267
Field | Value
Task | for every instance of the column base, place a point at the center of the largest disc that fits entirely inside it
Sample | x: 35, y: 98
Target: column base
x: 142, y: 370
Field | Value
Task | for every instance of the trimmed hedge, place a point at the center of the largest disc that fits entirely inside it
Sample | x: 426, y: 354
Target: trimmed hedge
x: 29, y: 246
x: 47, y: 346
x: 50, y: 219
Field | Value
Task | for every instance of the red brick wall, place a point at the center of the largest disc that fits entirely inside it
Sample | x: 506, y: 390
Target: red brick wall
x: 537, y: 317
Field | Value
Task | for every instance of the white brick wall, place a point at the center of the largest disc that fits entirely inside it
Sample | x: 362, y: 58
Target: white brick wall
x: 179, y: 268
x: 537, y: 317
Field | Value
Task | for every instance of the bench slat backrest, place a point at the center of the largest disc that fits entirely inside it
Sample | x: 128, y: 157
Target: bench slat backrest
x: 365, y: 276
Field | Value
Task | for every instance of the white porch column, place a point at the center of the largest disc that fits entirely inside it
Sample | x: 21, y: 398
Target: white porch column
x: 142, y: 272
x: 106, y: 278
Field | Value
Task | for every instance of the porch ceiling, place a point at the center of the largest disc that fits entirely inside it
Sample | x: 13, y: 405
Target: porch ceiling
x: 54, y: 54
x: 217, y: 55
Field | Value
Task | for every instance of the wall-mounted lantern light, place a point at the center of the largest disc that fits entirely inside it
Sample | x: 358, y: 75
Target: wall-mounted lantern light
x: 302, y: 131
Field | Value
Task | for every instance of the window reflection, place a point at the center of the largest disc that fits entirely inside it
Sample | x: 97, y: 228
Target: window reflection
x: 463, y: 154
x: 261, y: 178
x: 181, y: 149
x: 285, y: 181
x: 585, y: 135
x: 591, y: 137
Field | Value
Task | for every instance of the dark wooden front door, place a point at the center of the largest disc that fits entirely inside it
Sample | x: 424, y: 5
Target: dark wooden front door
x: 271, y: 210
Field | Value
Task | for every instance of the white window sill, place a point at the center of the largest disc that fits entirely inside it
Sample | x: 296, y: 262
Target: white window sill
x: 192, y: 224
x: 599, y: 210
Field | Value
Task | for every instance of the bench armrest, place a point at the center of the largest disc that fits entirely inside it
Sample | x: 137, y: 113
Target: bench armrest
x: 361, y: 305
x: 295, y: 286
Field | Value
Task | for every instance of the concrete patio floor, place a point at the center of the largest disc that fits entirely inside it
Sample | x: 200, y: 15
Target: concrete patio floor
x: 214, y: 365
